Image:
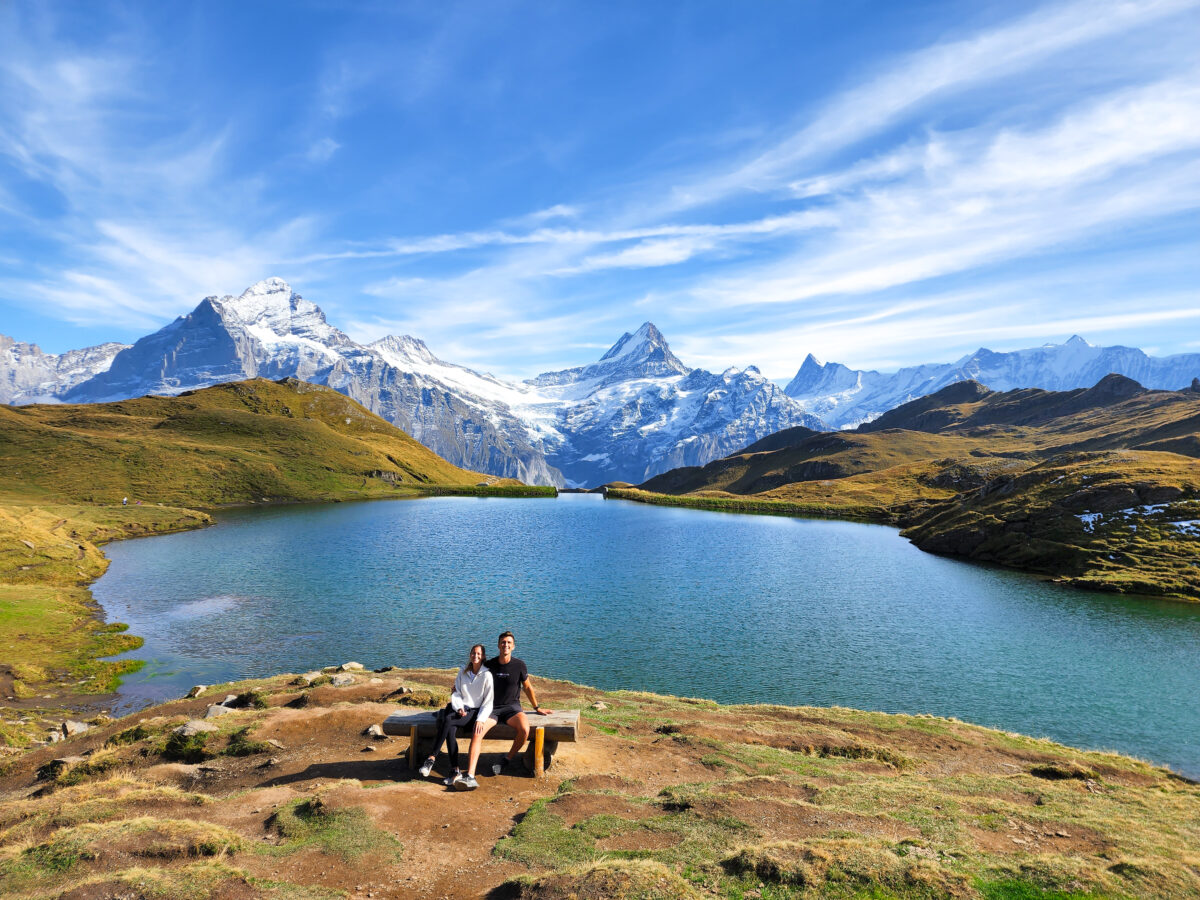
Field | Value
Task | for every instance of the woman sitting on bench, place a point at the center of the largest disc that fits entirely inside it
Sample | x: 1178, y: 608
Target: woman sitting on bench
x: 470, y: 702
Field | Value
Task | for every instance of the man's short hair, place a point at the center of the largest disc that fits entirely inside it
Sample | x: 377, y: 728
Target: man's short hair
x: 505, y: 634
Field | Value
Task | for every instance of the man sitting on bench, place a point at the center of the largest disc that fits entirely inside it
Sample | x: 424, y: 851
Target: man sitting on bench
x: 509, y: 676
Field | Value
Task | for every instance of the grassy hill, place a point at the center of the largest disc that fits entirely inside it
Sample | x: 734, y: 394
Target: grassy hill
x: 1095, y: 486
x: 67, y: 469
x: 245, y: 442
x: 663, y: 797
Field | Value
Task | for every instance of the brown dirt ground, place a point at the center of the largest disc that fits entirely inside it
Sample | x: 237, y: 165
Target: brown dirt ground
x: 448, y: 837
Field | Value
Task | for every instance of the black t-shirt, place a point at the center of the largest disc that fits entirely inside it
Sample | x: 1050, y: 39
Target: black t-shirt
x: 507, y: 679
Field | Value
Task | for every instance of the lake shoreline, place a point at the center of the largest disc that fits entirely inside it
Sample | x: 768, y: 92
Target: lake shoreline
x: 904, y: 519
x: 24, y: 717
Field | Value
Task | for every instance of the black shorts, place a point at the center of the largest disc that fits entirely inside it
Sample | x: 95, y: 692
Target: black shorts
x: 503, y: 713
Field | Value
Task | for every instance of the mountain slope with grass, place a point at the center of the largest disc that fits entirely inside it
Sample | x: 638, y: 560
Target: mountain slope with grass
x: 285, y: 795
x: 240, y: 442
x: 1098, y: 487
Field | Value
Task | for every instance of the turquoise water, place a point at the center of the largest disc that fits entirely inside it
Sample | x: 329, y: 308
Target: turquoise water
x: 621, y: 595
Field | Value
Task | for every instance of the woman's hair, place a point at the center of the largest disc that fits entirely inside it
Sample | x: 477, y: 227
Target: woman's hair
x: 483, y: 653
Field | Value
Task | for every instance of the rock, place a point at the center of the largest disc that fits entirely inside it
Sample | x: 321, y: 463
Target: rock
x: 194, y: 726
x: 102, y: 719
x: 342, y: 680
x: 375, y: 731
x: 28, y: 544
x: 54, y: 736
x: 213, y: 711
x: 383, y: 669
x: 56, y: 767
x: 71, y: 727
x: 274, y: 743
x: 196, y: 691
x: 267, y: 764
x: 368, y: 749
x: 350, y: 667
x: 599, y: 704
x: 229, y: 698
x: 375, y: 681
x: 307, y: 678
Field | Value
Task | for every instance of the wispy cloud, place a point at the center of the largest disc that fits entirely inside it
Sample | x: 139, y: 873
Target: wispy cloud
x: 980, y: 199
x: 923, y: 78
x: 853, y: 225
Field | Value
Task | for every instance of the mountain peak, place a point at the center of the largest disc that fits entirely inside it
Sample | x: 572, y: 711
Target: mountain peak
x: 1076, y: 341
x: 645, y: 352
x: 638, y: 343
x: 268, y: 302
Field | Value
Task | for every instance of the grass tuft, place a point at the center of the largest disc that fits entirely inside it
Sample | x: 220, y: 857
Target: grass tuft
x: 347, y: 832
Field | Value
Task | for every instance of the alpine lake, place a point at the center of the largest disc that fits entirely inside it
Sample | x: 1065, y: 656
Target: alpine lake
x: 614, y: 594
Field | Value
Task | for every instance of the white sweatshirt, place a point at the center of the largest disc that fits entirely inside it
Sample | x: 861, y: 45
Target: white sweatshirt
x: 471, y: 690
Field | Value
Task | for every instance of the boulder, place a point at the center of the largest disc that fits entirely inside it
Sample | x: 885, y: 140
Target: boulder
x: 599, y: 704
x: 54, y: 768
x: 351, y: 667
x: 71, y: 727
x: 341, y: 680
x: 213, y: 711
x: 375, y: 731
x: 307, y: 678
x: 193, y: 727
x: 274, y: 743
x: 196, y: 691
x: 229, y: 698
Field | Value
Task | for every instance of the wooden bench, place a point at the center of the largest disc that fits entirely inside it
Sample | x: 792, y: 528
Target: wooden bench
x: 545, y: 734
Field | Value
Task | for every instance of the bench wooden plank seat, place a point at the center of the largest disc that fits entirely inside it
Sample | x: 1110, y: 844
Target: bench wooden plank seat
x: 545, y: 734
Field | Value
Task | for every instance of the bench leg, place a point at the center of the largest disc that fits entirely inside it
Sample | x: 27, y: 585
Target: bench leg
x: 539, y: 746
x: 412, y: 748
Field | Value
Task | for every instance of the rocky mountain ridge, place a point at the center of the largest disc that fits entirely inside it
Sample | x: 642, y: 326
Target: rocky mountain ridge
x: 29, y: 375
x: 844, y: 397
x: 636, y: 412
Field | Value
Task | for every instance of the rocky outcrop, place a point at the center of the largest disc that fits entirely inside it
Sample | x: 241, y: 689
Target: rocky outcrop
x: 27, y: 375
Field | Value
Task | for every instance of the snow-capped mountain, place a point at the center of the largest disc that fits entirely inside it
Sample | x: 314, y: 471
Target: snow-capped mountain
x: 639, y: 411
x: 844, y: 397
x: 272, y: 332
x: 634, y: 413
x: 27, y: 375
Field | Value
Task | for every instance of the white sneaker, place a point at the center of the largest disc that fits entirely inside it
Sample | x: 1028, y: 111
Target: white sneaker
x: 426, y: 768
x: 453, y: 777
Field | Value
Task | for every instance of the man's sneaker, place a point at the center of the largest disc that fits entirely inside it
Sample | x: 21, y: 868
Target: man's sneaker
x: 466, y: 783
x: 453, y: 778
x: 505, y: 765
x: 426, y: 768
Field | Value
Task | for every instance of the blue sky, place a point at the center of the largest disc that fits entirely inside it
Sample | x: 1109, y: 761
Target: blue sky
x: 519, y: 183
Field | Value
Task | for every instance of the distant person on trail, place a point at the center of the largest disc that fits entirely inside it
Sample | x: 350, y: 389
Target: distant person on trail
x: 124, y: 501
x: 470, y: 702
x: 509, y: 675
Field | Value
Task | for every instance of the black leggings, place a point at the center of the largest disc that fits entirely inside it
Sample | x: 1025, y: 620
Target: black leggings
x: 449, y: 722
